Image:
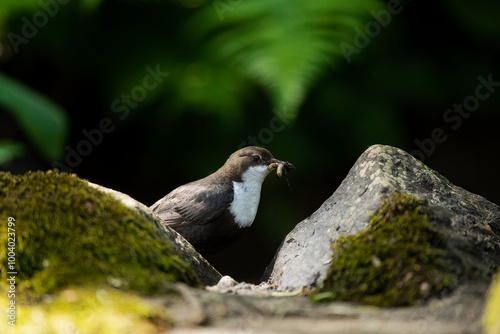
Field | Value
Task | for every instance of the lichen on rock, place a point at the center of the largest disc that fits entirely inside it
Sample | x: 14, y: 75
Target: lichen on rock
x: 69, y: 234
x: 393, y: 262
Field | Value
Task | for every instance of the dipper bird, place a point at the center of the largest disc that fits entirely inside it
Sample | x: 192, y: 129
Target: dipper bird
x: 210, y: 212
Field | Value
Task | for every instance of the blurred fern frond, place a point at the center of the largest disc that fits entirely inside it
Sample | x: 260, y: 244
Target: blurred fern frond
x: 282, y: 44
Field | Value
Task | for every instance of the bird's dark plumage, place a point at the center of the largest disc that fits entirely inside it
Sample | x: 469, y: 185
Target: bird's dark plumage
x: 207, y: 212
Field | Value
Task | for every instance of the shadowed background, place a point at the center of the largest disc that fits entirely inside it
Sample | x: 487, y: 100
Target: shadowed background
x: 143, y: 96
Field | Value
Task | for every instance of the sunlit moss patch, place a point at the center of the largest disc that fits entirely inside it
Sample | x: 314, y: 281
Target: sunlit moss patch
x: 491, y: 318
x: 87, y: 310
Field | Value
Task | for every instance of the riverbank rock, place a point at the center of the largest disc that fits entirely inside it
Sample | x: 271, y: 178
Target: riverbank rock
x: 469, y: 223
x: 207, y: 274
x: 83, y: 258
x: 69, y: 232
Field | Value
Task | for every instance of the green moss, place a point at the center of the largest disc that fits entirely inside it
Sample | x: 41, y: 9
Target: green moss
x: 70, y: 234
x: 392, y: 262
x: 85, y: 310
x: 491, y: 319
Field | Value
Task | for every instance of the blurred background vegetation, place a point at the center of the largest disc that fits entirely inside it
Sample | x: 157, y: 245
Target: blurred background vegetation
x: 182, y: 84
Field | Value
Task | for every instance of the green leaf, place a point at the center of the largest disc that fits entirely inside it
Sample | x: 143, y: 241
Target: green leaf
x: 44, y: 122
x: 10, y: 150
x: 9, y: 6
x: 283, y: 44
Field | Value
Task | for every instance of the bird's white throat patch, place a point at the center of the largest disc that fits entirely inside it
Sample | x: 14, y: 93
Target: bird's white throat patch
x: 247, y: 195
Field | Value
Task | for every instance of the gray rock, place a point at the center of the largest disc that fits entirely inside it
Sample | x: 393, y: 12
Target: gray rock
x: 470, y: 223
x: 205, y: 312
x: 207, y: 274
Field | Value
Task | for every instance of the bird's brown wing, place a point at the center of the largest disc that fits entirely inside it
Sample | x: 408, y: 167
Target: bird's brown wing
x: 194, y: 203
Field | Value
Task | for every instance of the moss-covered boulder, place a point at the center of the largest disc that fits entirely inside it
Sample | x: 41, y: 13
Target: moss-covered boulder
x: 469, y: 223
x: 68, y: 234
x: 394, y: 261
x: 206, y: 273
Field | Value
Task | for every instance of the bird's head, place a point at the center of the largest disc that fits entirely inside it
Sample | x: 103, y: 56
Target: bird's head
x: 252, y: 161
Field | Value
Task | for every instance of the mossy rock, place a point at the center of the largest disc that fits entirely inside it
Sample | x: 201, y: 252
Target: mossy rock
x: 88, y: 310
x: 69, y: 235
x: 393, y: 262
x: 491, y: 318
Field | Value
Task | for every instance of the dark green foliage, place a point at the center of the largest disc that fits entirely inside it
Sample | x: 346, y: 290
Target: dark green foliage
x: 43, y: 121
x: 71, y: 234
x: 283, y: 46
x: 392, y: 262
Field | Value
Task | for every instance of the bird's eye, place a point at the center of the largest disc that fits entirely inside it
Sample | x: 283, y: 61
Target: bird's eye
x: 256, y: 157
